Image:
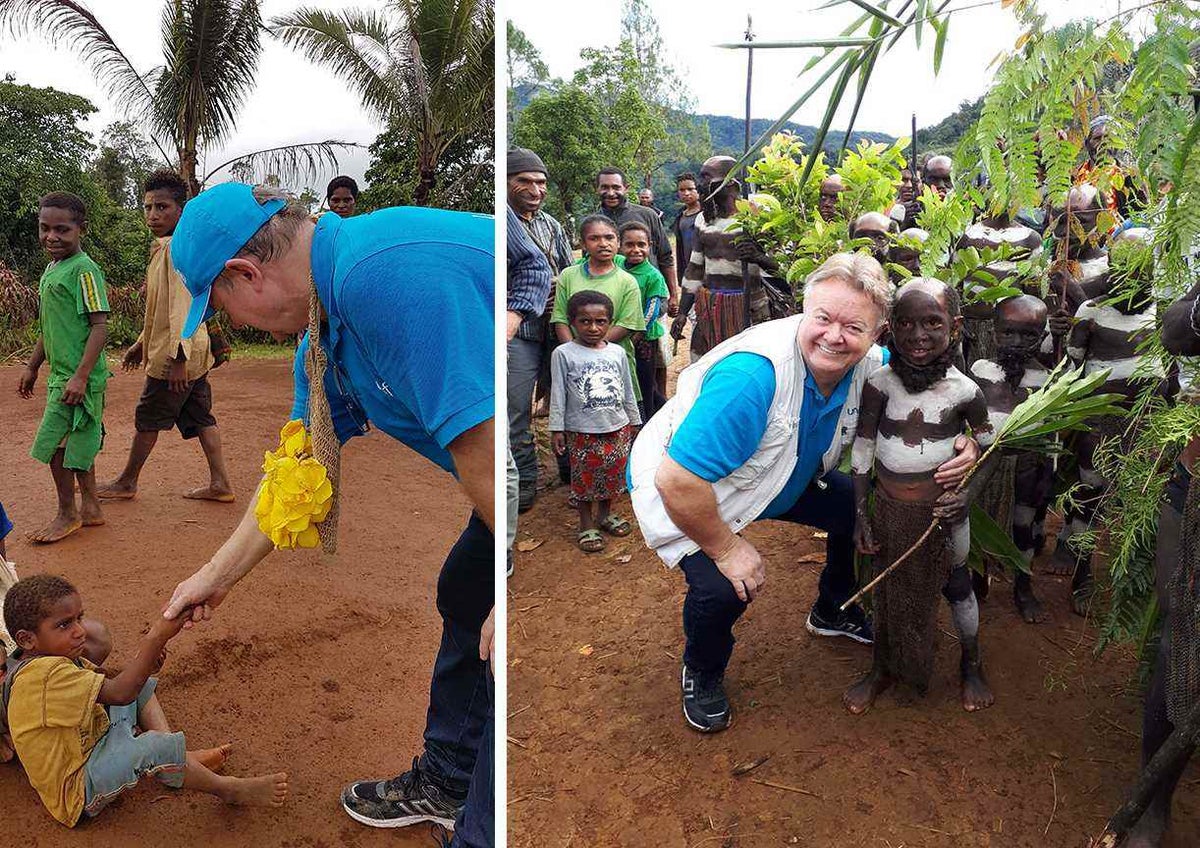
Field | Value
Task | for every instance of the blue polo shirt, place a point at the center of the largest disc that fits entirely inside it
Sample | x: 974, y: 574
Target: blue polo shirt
x: 409, y: 293
x: 725, y: 424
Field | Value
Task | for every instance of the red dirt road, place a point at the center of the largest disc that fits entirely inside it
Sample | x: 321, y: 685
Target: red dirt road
x: 600, y: 756
x: 315, y: 667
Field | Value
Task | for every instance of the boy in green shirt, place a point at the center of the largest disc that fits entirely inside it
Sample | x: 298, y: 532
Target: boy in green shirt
x: 651, y: 365
x: 599, y: 272
x: 73, y: 317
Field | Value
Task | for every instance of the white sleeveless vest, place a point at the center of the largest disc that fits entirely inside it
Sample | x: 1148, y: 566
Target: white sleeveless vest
x: 744, y: 494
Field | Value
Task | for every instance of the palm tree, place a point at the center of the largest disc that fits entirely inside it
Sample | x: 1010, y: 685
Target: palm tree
x: 189, y: 103
x: 423, y: 66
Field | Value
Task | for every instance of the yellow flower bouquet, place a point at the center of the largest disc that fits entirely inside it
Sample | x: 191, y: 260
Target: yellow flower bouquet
x: 295, y: 494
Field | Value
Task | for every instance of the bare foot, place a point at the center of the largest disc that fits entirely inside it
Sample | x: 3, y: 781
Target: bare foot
x: 214, y: 759
x: 1081, y: 596
x: 976, y: 695
x: 269, y: 790
x: 1062, y: 562
x: 90, y: 514
x: 211, y: 493
x: 60, y: 528
x: 1028, y: 605
x: 116, y: 491
x: 859, y: 697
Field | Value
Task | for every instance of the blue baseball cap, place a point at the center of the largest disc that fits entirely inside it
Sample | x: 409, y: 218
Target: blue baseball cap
x: 214, y: 226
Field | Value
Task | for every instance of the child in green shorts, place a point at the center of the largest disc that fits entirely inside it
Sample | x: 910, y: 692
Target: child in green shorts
x: 73, y: 317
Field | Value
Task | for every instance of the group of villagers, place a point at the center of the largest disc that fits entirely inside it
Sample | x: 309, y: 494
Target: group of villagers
x: 909, y: 376
x: 84, y: 731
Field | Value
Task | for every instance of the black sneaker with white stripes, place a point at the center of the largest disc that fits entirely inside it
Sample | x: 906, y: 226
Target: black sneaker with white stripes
x: 704, y: 703
x: 408, y: 799
x: 853, y: 624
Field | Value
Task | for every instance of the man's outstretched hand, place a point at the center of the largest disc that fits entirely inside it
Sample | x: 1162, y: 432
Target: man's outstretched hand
x: 196, y: 597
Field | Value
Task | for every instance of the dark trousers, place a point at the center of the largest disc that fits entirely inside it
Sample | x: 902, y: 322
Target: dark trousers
x: 524, y: 363
x: 459, y: 727
x: 712, y: 606
x: 645, y: 357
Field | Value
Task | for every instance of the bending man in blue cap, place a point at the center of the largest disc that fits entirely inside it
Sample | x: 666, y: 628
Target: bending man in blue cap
x: 398, y: 300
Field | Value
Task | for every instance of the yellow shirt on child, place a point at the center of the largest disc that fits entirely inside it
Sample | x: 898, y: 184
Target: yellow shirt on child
x: 55, y: 723
x: 167, y: 303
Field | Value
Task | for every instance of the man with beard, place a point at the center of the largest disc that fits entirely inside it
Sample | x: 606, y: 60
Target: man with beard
x: 528, y: 349
x: 913, y: 410
x: 713, y: 281
x: 874, y: 226
x: 1106, y: 337
x: 615, y: 205
x: 906, y: 252
x: 908, y: 203
x: 1024, y: 480
x: 827, y: 204
x: 937, y: 175
x: 990, y: 234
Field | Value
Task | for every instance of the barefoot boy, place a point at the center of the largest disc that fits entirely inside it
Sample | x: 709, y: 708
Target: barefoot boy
x: 73, y: 726
x: 177, y: 391
x: 912, y: 411
x: 73, y: 316
x: 1006, y: 381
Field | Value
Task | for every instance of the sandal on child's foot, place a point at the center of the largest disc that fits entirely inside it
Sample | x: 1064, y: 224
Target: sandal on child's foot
x: 590, y: 541
x: 614, y: 525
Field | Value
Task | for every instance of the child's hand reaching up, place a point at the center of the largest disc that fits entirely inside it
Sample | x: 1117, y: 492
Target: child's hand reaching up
x: 559, y: 442
x: 951, y: 508
x: 168, y: 628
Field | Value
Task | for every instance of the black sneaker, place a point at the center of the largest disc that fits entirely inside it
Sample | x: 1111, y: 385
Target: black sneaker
x: 852, y: 623
x: 704, y: 706
x: 408, y: 799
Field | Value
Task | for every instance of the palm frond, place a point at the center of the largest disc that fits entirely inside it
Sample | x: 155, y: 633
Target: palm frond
x: 211, y: 50
x: 360, y: 47
x: 291, y: 163
x: 63, y: 22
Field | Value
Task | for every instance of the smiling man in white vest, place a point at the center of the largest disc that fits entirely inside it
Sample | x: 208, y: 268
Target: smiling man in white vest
x: 756, y: 430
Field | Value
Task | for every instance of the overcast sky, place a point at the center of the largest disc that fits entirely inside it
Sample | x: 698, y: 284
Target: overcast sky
x: 903, y: 80
x: 293, y: 102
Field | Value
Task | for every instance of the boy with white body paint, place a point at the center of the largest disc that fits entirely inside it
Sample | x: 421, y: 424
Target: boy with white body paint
x: 912, y: 411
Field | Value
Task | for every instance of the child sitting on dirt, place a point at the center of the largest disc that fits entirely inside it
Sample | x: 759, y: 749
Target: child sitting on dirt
x: 592, y: 408
x: 1007, y: 380
x: 73, y: 725
x: 912, y: 410
x: 635, y: 247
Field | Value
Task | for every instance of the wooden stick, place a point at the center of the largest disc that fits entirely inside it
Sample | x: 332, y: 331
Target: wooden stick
x: 785, y: 787
x: 1054, y: 809
x: 863, y: 591
x: 1174, y: 751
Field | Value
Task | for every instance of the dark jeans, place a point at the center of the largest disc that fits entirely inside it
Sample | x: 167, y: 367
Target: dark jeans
x: 712, y: 607
x: 459, y: 727
x: 524, y: 363
x: 645, y: 357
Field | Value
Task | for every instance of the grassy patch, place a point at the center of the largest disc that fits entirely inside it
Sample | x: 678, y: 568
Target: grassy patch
x: 263, y: 351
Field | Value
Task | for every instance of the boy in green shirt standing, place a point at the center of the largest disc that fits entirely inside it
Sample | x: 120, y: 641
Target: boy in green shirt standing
x: 647, y: 350
x: 73, y: 317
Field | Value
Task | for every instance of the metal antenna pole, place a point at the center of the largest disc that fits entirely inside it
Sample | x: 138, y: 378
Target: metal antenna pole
x: 747, y: 319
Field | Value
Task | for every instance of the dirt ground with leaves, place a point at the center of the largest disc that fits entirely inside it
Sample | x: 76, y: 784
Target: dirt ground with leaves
x: 318, y: 667
x: 599, y: 753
